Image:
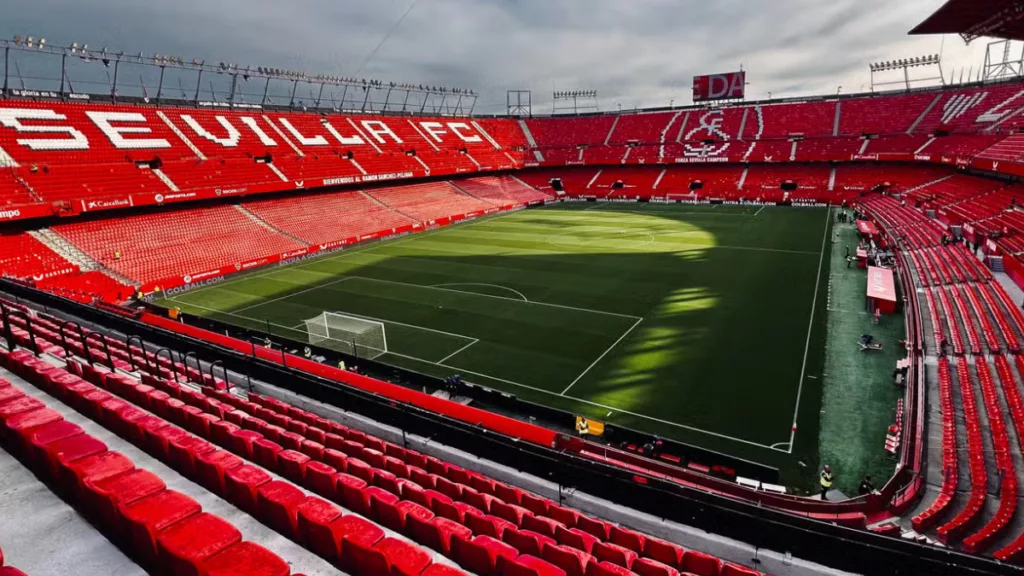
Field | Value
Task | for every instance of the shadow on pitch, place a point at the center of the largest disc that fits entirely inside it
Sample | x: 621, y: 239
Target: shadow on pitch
x: 719, y: 348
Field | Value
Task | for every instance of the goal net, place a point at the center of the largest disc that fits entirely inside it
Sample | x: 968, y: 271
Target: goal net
x: 359, y: 337
x: 681, y: 196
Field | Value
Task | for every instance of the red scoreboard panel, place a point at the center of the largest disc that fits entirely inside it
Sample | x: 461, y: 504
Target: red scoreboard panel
x: 728, y: 86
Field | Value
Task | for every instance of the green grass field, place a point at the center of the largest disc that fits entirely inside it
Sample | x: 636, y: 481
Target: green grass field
x: 694, y: 322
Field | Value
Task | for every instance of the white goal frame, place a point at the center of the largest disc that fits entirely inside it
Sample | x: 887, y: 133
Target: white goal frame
x: 349, y: 334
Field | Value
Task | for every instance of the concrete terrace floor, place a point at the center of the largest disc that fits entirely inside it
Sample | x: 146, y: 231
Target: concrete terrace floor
x: 933, y: 470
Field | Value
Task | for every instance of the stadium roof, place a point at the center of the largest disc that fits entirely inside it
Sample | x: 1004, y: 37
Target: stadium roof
x: 974, y: 18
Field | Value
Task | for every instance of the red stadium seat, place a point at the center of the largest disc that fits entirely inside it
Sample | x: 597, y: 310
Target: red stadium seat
x: 437, y: 533
x: 615, y: 554
x: 245, y: 559
x: 277, y: 504
x: 150, y: 516
x: 607, y: 569
x: 574, y: 562
x: 527, y: 565
x: 315, y: 517
x: 185, y: 545
x: 527, y: 542
x: 480, y: 555
x: 649, y: 567
x: 242, y: 484
x: 212, y: 467
x: 700, y: 563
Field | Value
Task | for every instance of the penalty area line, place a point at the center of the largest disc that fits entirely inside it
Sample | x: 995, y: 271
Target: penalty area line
x: 506, y: 288
x: 601, y: 357
x: 448, y: 357
x: 528, y: 387
x: 604, y: 406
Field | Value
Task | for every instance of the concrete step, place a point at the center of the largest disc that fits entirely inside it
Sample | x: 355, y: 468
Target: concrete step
x: 267, y: 225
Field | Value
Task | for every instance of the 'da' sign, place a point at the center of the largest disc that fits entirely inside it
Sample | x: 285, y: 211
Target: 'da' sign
x: 726, y: 86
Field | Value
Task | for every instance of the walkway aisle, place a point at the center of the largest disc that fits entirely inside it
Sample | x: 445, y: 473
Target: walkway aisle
x: 858, y: 395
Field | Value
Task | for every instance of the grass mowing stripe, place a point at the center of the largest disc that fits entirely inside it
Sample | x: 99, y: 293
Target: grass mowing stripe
x: 358, y: 250
x: 531, y: 302
x: 676, y: 321
x: 610, y: 408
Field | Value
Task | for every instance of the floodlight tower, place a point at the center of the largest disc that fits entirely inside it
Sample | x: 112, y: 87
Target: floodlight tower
x: 905, y: 65
x: 575, y: 100
x: 1000, y: 64
x: 519, y: 103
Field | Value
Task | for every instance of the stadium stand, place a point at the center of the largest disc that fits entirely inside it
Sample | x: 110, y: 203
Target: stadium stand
x: 429, y: 202
x: 115, y: 156
x: 561, y: 132
x: 352, y: 214
x: 982, y: 307
x: 152, y: 247
x: 167, y: 526
x: 504, y: 191
x: 271, y: 452
x: 27, y: 258
x: 163, y: 468
x: 98, y: 157
x: 809, y: 119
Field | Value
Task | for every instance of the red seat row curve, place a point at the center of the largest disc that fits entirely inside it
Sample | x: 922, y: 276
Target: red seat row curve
x: 376, y: 483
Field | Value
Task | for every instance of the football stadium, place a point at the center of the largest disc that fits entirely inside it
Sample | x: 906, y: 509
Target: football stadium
x: 278, y: 321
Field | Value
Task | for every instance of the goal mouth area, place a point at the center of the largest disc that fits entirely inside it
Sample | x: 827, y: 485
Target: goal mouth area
x: 352, y: 335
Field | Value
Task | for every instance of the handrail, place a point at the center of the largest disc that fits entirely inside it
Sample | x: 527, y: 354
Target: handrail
x: 199, y: 366
x: 170, y: 356
x: 131, y: 354
x: 9, y: 333
x: 64, y: 338
x: 213, y: 365
x: 106, y: 349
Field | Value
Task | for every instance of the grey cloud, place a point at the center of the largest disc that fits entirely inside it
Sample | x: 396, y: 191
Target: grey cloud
x: 635, y: 53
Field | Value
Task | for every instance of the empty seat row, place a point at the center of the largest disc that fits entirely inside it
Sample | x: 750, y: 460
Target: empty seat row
x: 495, y: 509
x: 132, y: 506
x: 291, y: 456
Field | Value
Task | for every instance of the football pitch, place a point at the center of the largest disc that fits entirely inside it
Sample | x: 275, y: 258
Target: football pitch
x: 703, y: 323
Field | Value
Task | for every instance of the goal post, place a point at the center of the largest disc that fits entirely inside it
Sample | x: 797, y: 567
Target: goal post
x: 352, y: 335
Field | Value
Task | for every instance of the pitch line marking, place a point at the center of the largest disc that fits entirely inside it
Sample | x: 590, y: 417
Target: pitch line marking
x: 502, y: 298
x: 810, y: 327
x: 600, y: 229
x: 534, y: 388
x: 386, y: 243
x: 750, y: 248
x: 358, y: 249
x: 263, y: 321
x: 601, y: 357
x: 516, y: 292
x: 460, y: 292
x: 759, y: 210
x: 289, y: 295
x: 448, y: 357
x: 383, y: 320
x: 595, y: 404
x: 678, y: 212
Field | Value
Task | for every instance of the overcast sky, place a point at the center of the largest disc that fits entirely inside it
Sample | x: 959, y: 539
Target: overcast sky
x: 633, y: 52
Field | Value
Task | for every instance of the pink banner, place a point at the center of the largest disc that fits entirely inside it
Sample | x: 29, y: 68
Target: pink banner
x: 881, y: 285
